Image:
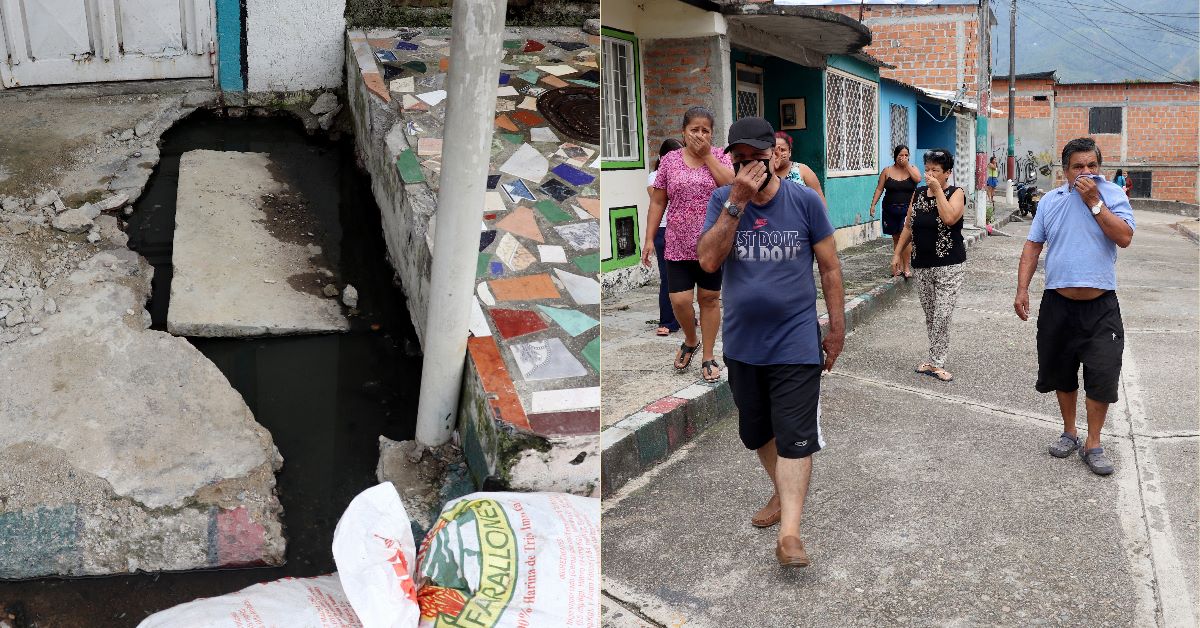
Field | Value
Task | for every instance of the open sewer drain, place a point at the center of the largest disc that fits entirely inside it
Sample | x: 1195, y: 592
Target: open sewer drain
x: 325, y: 398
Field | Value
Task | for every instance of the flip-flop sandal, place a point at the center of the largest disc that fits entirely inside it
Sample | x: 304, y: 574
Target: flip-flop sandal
x: 685, y: 354
x: 940, y: 374
x: 924, y: 368
x: 707, y: 364
x: 662, y: 331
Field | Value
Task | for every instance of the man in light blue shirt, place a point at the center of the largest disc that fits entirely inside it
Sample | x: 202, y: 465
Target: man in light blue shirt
x: 1079, y: 322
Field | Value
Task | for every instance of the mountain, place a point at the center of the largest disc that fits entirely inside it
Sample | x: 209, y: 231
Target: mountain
x: 1104, y: 41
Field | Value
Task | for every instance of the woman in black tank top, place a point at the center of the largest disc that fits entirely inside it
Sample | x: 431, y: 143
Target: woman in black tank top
x: 934, y: 227
x: 896, y: 183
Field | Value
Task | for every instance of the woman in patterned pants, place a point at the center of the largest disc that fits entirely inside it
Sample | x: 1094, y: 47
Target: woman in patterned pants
x: 934, y: 226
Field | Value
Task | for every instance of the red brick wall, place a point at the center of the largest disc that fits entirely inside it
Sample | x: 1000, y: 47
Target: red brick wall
x: 1027, y: 107
x: 1154, y: 134
x: 925, y: 54
x: 677, y: 75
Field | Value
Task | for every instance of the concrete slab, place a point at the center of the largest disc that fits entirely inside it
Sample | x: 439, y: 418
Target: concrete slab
x: 934, y: 536
x: 1175, y: 404
x: 1180, y: 457
x: 122, y: 448
x: 241, y: 267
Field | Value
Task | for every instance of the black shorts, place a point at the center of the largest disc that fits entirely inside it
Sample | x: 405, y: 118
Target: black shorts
x: 1071, y: 333
x: 780, y: 401
x: 683, y: 275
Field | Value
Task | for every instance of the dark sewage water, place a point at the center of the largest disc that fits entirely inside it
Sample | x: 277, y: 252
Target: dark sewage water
x: 325, y: 398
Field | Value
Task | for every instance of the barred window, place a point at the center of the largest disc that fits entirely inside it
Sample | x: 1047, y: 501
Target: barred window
x: 852, y: 108
x: 899, y: 126
x: 1104, y: 120
x: 620, y: 109
x: 749, y: 91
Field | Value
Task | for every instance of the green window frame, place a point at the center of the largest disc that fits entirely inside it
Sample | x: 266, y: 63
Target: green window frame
x: 615, y: 262
x: 622, y: 103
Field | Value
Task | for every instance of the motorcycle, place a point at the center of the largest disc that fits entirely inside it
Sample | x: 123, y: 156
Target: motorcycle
x: 1028, y: 196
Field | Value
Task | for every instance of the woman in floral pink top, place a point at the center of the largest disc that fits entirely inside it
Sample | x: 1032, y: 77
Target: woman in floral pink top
x: 687, y: 177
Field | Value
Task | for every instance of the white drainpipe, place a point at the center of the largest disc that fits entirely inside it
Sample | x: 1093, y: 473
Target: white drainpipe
x: 475, y: 52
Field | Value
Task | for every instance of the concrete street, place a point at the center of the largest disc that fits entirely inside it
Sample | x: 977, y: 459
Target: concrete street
x: 936, y: 503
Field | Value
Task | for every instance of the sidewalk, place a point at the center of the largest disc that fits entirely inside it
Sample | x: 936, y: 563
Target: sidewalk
x: 650, y: 410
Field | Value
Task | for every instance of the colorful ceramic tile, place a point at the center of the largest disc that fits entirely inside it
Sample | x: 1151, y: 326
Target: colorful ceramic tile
x: 484, y: 292
x: 515, y: 256
x: 486, y: 238
x: 557, y: 70
x: 574, y: 176
x: 492, y: 202
x: 585, y: 290
x: 504, y: 104
x: 558, y: 191
x: 434, y: 42
x: 506, y: 123
x: 507, y: 90
x: 592, y: 205
x: 479, y: 326
x: 513, y: 44
x: 589, y: 191
x: 529, y: 77
x: 502, y: 396
x: 528, y: 118
x: 532, y: 46
x: 589, y: 264
x: 552, y: 212
x: 375, y: 84
x: 496, y: 268
x: 481, y: 266
x: 581, y: 236
x: 552, y: 254
x: 527, y: 163
x: 546, y: 359
x: 410, y: 103
x: 432, y: 146
x: 513, y: 323
x: 522, y: 223
x: 525, y: 58
x: 385, y: 55
x: 391, y: 73
x: 583, y: 82
x: 573, y: 321
x: 567, y: 423
x: 407, y: 34
x: 529, y: 104
x: 530, y: 90
x: 403, y: 85
x: 517, y: 191
x: 542, y: 134
x: 566, y: 399
x: 433, y: 98
x: 590, y: 75
x: 416, y: 66
x: 591, y: 353
x: 529, y: 288
x: 492, y: 180
x: 513, y: 138
x: 553, y: 81
x: 581, y: 212
x: 405, y: 45
x: 569, y: 45
x: 409, y: 167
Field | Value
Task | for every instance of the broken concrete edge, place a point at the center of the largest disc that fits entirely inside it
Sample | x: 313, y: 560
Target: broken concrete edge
x: 1188, y: 231
x: 633, y: 445
x: 1179, y: 208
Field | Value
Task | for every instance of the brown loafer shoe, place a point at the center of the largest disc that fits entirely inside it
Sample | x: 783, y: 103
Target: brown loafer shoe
x: 790, y: 552
x: 768, y: 515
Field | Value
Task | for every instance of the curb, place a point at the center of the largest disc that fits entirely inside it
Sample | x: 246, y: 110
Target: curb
x: 1187, y: 232
x: 641, y: 440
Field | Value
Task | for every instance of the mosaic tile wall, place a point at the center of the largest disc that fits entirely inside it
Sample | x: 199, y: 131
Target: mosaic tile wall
x: 535, y: 328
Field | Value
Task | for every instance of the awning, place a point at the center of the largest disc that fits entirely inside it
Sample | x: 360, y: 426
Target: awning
x: 802, y: 35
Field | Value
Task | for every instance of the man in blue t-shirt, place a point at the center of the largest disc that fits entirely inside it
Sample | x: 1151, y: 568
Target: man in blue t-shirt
x: 1079, y: 322
x: 766, y: 231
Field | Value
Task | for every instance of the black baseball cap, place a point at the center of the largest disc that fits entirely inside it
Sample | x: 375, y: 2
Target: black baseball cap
x: 755, y: 132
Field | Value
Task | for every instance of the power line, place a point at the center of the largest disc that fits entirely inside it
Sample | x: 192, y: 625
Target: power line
x: 1131, y: 49
x: 1169, y: 27
x: 1156, y: 26
x: 1117, y: 56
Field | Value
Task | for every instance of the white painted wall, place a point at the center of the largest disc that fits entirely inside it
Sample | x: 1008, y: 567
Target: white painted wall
x: 294, y: 44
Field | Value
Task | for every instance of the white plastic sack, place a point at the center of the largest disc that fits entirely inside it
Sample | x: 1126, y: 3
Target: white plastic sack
x: 288, y: 603
x: 376, y: 557
x: 528, y: 560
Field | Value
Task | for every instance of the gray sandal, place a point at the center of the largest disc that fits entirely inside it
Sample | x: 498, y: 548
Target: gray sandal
x: 1065, y: 444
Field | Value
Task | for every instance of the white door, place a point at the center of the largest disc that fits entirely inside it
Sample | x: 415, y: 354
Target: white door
x: 46, y: 42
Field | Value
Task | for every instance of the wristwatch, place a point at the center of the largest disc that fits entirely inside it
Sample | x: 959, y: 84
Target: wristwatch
x: 733, y: 209
x: 1096, y: 208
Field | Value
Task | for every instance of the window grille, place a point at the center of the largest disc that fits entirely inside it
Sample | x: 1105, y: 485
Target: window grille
x: 620, y: 127
x: 899, y: 126
x: 852, y: 108
x: 1104, y: 120
x: 749, y: 91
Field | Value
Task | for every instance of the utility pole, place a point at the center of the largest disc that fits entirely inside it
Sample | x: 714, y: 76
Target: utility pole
x: 1011, y: 164
x: 477, y: 31
x: 983, y: 90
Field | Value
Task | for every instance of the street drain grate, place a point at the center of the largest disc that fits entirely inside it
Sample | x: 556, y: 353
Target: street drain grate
x: 573, y: 111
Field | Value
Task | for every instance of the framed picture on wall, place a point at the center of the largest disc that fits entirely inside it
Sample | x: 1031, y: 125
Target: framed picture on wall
x: 791, y: 114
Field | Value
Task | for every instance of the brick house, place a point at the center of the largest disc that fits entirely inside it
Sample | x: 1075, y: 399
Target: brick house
x: 1147, y: 129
